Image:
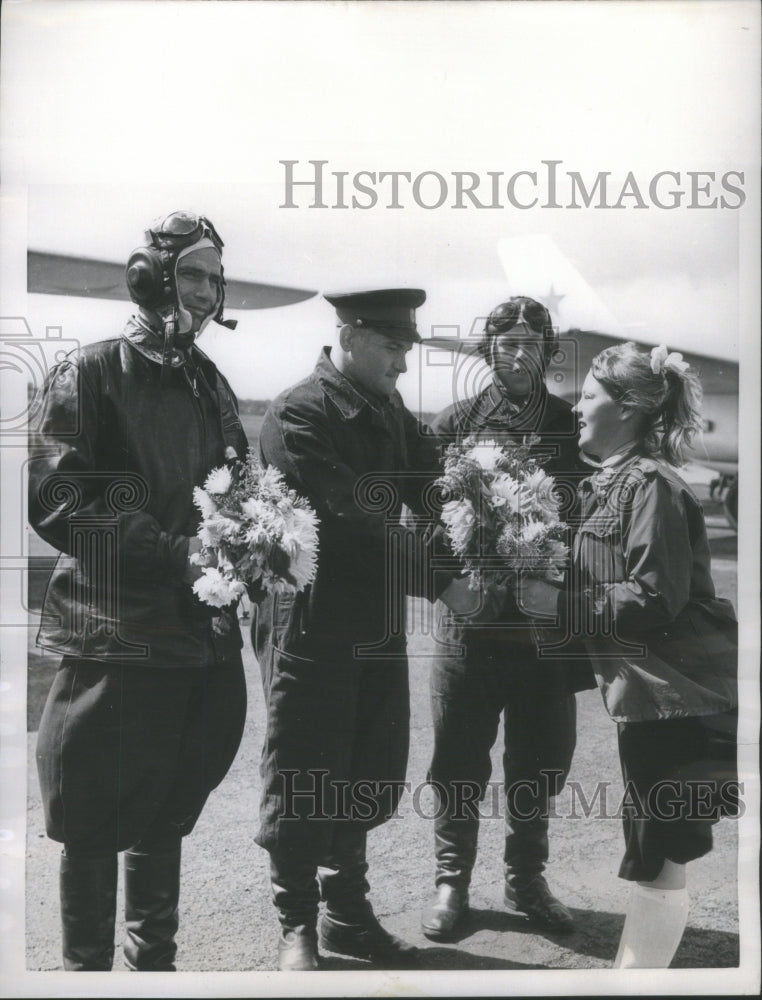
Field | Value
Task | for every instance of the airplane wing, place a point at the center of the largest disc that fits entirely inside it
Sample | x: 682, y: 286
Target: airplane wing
x: 536, y: 267
x: 577, y: 348
x: 61, y: 274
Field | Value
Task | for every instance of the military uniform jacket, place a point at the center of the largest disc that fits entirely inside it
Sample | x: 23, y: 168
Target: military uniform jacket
x: 661, y: 643
x: 111, y: 487
x: 492, y: 416
x: 357, y: 461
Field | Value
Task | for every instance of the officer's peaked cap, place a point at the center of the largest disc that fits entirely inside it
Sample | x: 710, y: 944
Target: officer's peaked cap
x: 390, y: 311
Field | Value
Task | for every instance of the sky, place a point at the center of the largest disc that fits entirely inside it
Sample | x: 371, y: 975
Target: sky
x: 113, y: 113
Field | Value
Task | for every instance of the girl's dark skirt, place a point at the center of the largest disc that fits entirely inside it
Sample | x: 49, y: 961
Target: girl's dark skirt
x: 680, y: 777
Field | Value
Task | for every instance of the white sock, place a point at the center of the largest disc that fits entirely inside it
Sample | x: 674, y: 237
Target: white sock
x: 653, y: 928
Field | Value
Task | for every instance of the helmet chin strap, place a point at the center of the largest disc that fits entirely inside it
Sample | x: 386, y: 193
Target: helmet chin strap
x: 169, y: 319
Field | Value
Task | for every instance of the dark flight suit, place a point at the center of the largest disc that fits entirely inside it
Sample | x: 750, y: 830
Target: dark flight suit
x: 146, y: 712
x: 480, y: 673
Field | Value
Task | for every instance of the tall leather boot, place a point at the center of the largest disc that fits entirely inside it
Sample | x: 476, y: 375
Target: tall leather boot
x: 151, y: 897
x: 350, y: 927
x: 296, y: 896
x: 88, y: 912
x: 526, y: 891
x: 455, y: 843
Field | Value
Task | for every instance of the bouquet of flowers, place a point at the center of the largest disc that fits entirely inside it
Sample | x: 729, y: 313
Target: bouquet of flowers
x: 501, y: 515
x: 256, y: 530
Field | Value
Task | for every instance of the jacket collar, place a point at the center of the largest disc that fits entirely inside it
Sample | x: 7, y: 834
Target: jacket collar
x: 604, y: 474
x: 496, y: 404
x: 150, y: 343
x: 345, y: 396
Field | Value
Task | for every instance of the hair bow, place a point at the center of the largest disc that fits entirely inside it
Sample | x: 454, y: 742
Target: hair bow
x: 662, y: 360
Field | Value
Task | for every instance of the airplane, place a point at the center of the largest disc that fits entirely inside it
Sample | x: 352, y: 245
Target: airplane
x: 535, y: 266
x: 88, y: 277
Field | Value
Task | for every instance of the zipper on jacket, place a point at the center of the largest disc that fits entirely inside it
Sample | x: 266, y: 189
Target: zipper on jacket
x: 192, y: 382
x: 193, y: 386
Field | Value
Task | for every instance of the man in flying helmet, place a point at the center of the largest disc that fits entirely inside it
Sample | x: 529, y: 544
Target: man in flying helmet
x: 480, y: 674
x: 146, y: 710
x: 178, y: 281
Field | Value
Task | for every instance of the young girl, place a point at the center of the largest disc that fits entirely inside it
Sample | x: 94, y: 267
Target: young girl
x: 662, y: 646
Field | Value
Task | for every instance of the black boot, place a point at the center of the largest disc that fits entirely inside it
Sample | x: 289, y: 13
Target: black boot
x: 444, y: 919
x: 455, y: 840
x: 535, y: 901
x: 350, y: 927
x: 526, y: 891
x: 297, y: 949
x: 296, y: 896
x: 88, y: 912
x: 151, y: 897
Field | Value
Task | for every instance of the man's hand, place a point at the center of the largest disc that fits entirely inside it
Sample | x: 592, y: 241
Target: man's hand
x: 537, y: 598
x: 459, y: 597
x: 478, y: 606
x: 194, y: 570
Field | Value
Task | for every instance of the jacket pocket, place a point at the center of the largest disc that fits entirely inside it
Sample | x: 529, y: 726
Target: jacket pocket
x: 599, y: 553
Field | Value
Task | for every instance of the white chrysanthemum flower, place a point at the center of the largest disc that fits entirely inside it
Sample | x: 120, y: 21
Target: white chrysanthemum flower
x: 217, y: 529
x: 532, y: 531
x: 272, y: 480
x: 249, y: 536
x: 210, y: 535
x: 459, y: 519
x: 216, y: 590
x: 506, y: 492
x: 539, y: 481
x: 542, y: 487
x: 301, y: 542
x: 204, y: 502
x: 219, y: 481
x: 486, y: 454
x: 265, y: 522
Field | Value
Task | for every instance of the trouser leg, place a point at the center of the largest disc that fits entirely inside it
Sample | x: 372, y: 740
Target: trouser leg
x: 350, y: 926
x: 466, y: 710
x: 208, y: 735
x: 88, y: 912
x: 295, y: 890
x: 343, y: 875
x: 540, y: 736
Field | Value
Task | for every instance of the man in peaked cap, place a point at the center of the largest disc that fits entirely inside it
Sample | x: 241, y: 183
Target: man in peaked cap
x: 146, y: 710
x: 333, y: 658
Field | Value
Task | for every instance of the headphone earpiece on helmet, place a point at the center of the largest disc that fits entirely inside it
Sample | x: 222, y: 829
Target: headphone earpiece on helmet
x: 150, y: 274
x: 149, y: 279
